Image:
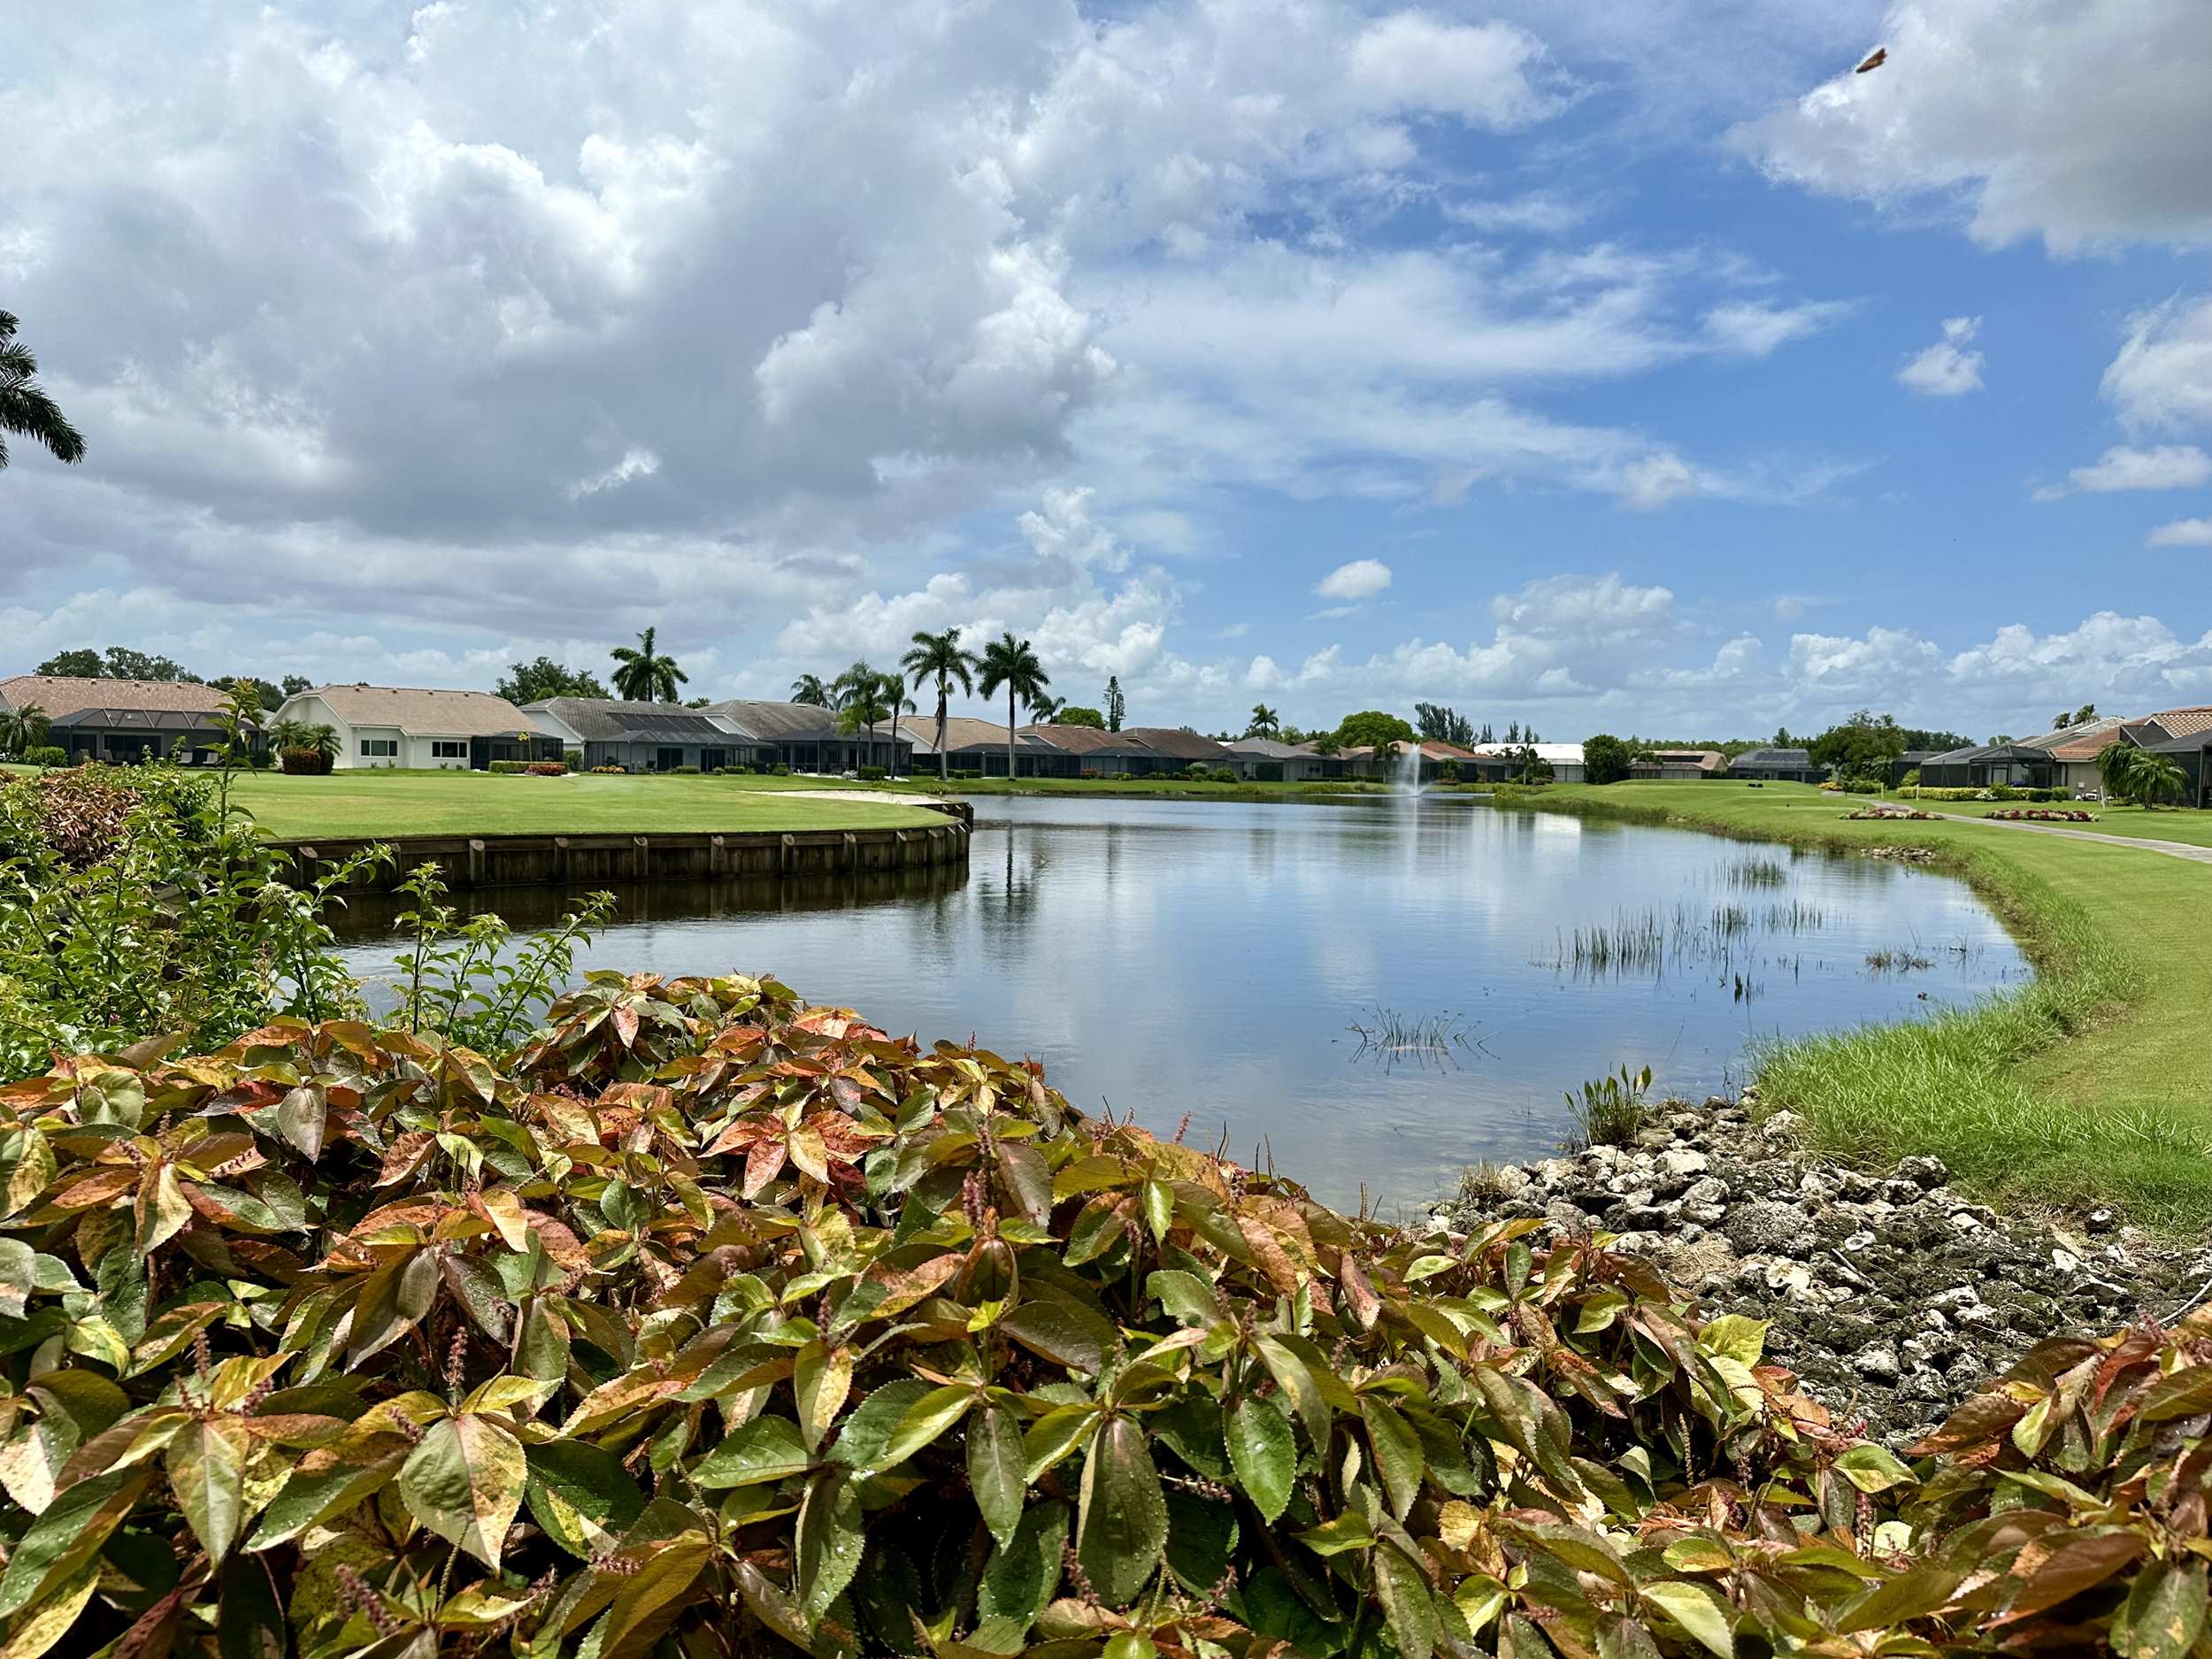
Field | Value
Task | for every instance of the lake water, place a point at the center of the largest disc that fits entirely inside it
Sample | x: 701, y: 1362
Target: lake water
x: 1211, y: 958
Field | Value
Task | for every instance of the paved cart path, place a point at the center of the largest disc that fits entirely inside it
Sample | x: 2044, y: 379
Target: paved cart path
x: 2172, y: 849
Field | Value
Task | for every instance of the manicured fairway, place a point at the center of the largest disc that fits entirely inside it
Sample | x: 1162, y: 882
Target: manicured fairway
x: 372, y: 804
x: 2096, y: 1082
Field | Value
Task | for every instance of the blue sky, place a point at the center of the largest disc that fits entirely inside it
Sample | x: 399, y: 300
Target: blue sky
x: 1636, y: 368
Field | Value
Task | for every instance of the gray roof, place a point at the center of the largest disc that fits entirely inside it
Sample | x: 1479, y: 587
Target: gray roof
x: 1772, y: 760
x: 426, y: 714
x: 1175, y: 741
x: 784, y: 722
x: 66, y: 701
x: 609, y: 720
x: 1270, y: 749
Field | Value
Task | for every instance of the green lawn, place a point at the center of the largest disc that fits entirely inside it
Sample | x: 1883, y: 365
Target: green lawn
x: 2163, y: 824
x: 356, y: 803
x: 2092, y: 1084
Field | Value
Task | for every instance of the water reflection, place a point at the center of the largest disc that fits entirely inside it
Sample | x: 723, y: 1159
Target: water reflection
x: 1212, y: 957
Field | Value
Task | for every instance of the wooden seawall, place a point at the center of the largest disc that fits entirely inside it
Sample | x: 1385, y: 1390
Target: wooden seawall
x: 472, y: 862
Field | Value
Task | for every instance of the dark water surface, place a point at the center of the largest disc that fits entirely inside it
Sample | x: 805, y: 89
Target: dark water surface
x: 1210, y: 957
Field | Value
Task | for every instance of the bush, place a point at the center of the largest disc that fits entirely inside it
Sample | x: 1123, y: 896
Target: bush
x: 572, y: 759
x: 509, y: 768
x: 780, y: 770
x: 1449, y: 772
x: 1088, y: 771
x: 1610, y: 1112
x: 1222, y: 774
x: 2002, y: 792
x: 46, y: 754
x: 1911, y: 779
x: 305, y: 762
x: 870, y: 774
x: 1861, y: 786
x: 260, y: 760
x: 547, y: 768
x: 682, y: 772
x: 610, y: 771
x: 709, y: 1324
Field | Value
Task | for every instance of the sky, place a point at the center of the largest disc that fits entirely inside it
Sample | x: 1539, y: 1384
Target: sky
x: 1632, y: 368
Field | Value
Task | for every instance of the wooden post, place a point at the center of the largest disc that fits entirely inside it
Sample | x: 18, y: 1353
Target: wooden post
x: 476, y: 864
x: 717, y: 857
x: 560, y: 859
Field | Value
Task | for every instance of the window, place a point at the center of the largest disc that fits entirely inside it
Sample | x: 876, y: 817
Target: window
x: 379, y: 748
x: 448, y: 749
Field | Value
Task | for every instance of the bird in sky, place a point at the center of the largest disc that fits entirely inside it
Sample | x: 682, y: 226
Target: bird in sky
x: 1874, y: 60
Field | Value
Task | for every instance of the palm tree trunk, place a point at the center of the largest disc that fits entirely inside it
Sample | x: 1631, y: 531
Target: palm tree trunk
x: 1009, y: 732
x: 893, y: 769
x: 944, y: 773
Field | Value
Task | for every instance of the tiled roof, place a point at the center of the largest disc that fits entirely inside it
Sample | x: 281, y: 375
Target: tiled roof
x: 965, y: 732
x: 2184, y: 722
x: 779, y: 722
x: 610, y: 720
x: 1088, y: 740
x: 1434, y: 748
x: 424, y: 713
x: 1270, y: 749
x: 63, y: 698
x: 1182, y: 745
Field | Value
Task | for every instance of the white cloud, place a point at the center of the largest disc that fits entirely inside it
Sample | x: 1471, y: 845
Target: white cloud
x: 1947, y: 368
x: 1657, y: 479
x: 2166, y: 466
x: 2080, y: 122
x: 1064, y: 529
x: 2162, y: 376
x: 1489, y: 74
x: 1361, y: 579
x: 2182, y: 533
x: 2106, y: 651
x: 1749, y: 329
x: 1881, y: 663
x: 635, y: 464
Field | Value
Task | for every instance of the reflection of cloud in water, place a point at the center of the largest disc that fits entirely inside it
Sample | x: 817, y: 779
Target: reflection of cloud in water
x: 1206, y: 957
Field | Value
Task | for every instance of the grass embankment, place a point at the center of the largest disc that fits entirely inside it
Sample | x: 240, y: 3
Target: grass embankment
x: 2160, y: 824
x: 2092, y: 1083
x: 354, y: 803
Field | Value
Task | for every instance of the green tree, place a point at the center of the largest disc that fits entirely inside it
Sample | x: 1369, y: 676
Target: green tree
x: 1076, y: 714
x: 23, y: 729
x: 1605, y: 759
x: 124, y: 662
x: 25, y: 407
x: 893, y: 691
x: 2084, y: 714
x: 1529, y: 766
x: 643, y: 675
x: 535, y: 681
x: 938, y: 659
x: 1443, y: 725
x: 293, y: 684
x: 1865, y: 746
x: 1117, y: 705
x: 860, y: 701
x: 2139, y: 775
x: 809, y: 690
x: 79, y: 664
x: 1008, y: 662
x: 1044, y: 709
x: 1264, y: 722
x: 1372, y: 728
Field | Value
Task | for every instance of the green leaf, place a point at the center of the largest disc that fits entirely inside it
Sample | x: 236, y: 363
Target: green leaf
x: 1026, y: 1180
x: 1264, y: 1452
x: 206, y: 1466
x: 1055, y: 1434
x: 764, y: 1450
x: 1699, y: 1612
x: 996, y: 1468
x: 829, y: 1545
x: 1188, y: 1299
x: 1403, y: 1590
x: 55, y: 1614
x: 1201, y: 1539
x: 1056, y: 1330
x: 1397, y: 1452
x: 582, y: 1495
x: 69, y: 1534
x: 1292, y: 1376
x: 1024, y: 1570
x: 926, y: 1419
x: 1871, y: 1469
x: 1121, y: 1519
x: 465, y: 1482
x: 821, y: 1377
x: 300, y: 1118
x: 865, y: 1433
x: 396, y: 1296
x: 1735, y: 1336
x: 311, y: 1496
x: 2164, y: 1612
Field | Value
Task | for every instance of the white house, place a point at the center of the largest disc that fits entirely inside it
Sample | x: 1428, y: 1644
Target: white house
x: 424, y: 731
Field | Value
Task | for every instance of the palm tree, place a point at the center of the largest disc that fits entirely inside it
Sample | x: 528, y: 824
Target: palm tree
x: 1008, y: 662
x: 810, y: 690
x: 859, y: 693
x: 893, y: 690
x: 283, y: 734
x: 642, y: 675
x: 2154, y: 778
x: 25, y: 407
x: 24, y: 729
x: 1045, y: 709
x: 2116, y: 770
x: 1264, y: 722
x: 938, y: 657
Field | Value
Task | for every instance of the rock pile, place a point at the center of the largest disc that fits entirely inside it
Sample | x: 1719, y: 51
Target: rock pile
x: 1893, y: 1297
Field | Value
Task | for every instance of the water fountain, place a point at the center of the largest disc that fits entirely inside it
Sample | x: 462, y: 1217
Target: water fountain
x: 1407, y: 775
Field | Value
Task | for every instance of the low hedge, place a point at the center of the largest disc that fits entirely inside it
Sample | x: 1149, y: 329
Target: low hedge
x: 46, y: 754
x: 509, y: 768
x: 710, y: 1324
x: 304, y: 763
x: 870, y: 774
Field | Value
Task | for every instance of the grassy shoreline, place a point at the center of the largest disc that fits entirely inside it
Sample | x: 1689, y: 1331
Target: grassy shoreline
x: 2084, y: 1086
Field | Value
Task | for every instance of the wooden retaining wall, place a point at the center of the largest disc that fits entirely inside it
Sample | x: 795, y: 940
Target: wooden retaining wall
x: 472, y: 862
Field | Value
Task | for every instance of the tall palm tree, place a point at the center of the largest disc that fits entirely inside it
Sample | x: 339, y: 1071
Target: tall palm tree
x: 858, y: 692
x: 895, y: 698
x: 1008, y: 662
x: 1264, y: 722
x: 642, y: 675
x: 23, y: 729
x: 1045, y: 709
x: 938, y: 657
x: 25, y: 407
x: 2115, y: 769
x: 810, y: 690
x: 2154, y: 778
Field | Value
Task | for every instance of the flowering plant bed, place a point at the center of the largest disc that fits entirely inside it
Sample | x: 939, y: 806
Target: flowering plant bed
x: 2044, y: 815
x: 1885, y: 812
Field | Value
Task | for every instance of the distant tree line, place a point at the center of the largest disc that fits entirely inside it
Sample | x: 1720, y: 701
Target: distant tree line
x: 121, y: 662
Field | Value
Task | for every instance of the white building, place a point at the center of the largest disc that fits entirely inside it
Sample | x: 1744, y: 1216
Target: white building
x: 423, y: 731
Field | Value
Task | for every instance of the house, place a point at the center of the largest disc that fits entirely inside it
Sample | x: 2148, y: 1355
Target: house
x: 1501, y: 762
x: 645, y: 736
x: 979, y: 747
x: 1776, y: 765
x: 1436, y: 754
x: 1678, y: 764
x: 123, y: 720
x: 2074, y: 750
x: 1181, y: 747
x: 805, y: 737
x: 2023, y: 765
x: 1269, y: 760
x: 2191, y: 750
x: 418, y: 730
x: 1138, y: 752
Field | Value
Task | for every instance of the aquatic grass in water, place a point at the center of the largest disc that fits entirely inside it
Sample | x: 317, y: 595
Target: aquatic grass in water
x: 1897, y: 961
x: 1756, y: 873
x: 1392, y: 1038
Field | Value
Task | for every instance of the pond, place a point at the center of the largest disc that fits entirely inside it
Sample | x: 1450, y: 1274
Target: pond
x: 1218, y: 958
